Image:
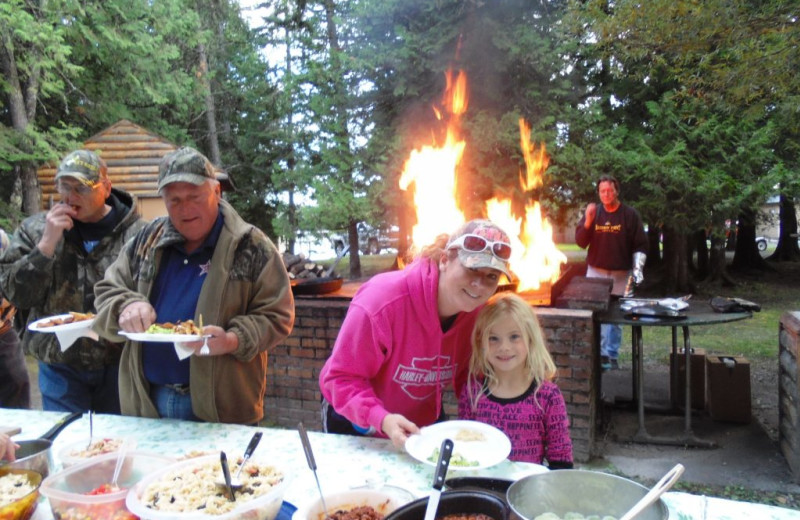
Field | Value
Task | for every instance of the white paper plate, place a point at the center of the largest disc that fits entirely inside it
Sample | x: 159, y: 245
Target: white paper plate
x: 492, y: 447
x: 162, y: 338
x: 77, y: 325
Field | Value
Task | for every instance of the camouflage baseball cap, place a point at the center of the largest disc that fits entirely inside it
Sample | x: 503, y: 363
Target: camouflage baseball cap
x: 83, y: 165
x: 184, y: 165
x: 493, y: 251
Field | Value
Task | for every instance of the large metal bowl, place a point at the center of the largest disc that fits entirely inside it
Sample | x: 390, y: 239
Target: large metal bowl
x: 579, y: 491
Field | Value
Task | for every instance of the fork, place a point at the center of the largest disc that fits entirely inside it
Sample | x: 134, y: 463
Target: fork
x: 205, y: 350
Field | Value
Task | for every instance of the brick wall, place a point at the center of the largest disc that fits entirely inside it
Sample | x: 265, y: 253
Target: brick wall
x: 789, y: 391
x: 292, y: 382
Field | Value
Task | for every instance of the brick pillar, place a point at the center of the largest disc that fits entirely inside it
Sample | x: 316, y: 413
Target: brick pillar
x: 293, y: 374
x: 789, y: 390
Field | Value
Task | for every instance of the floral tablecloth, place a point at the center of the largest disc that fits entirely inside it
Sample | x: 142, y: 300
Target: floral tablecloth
x: 342, y: 461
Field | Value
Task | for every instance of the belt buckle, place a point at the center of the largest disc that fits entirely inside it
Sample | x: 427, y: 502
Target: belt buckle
x: 179, y: 388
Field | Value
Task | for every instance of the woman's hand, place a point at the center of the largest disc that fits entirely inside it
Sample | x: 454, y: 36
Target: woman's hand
x: 8, y: 448
x: 398, y: 428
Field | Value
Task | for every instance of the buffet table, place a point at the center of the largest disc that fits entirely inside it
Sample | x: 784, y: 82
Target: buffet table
x: 342, y: 461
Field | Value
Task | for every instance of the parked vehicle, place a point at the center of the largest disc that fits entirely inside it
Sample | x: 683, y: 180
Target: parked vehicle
x: 371, y: 240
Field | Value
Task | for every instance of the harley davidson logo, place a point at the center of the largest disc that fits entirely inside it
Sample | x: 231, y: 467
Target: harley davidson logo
x: 421, y: 379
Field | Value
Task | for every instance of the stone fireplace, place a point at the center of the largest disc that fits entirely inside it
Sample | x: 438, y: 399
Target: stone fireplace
x: 292, y: 382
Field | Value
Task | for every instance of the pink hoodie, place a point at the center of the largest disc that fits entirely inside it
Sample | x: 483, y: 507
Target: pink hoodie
x: 391, y: 355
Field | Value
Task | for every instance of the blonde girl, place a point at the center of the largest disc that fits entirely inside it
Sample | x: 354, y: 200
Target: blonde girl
x: 510, y: 383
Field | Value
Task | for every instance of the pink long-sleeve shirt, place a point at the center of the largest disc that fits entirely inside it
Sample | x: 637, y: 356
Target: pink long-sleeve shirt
x: 391, y: 355
x: 535, y: 433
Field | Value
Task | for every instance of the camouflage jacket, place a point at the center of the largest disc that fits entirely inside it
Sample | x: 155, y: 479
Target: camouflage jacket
x: 40, y: 286
x: 246, y: 292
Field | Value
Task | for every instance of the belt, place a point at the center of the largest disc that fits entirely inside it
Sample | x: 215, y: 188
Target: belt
x: 182, y: 389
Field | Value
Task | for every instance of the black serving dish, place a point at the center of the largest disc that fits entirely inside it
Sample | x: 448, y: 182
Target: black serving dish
x: 456, y: 502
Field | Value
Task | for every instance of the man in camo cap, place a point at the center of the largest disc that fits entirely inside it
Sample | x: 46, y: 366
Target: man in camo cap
x: 50, y: 268
x: 201, y: 263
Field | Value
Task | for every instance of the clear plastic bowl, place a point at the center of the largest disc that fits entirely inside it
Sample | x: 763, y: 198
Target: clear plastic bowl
x: 66, y: 490
x: 263, y: 507
x: 80, y: 451
x: 383, y: 500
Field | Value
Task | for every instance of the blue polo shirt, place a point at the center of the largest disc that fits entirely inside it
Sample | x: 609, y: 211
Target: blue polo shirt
x: 174, y: 297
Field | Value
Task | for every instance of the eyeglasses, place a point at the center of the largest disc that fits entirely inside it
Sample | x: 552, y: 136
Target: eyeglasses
x: 64, y: 189
x: 478, y: 244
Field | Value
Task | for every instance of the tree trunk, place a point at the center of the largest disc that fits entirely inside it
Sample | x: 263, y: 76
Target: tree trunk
x: 787, y: 249
x: 746, y: 256
x: 340, y: 93
x: 676, y: 266
x: 22, y: 109
x: 355, y: 253
x: 211, y: 111
x: 699, y: 246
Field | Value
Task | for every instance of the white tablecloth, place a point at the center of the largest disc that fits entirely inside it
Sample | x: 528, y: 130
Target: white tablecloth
x: 342, y: 461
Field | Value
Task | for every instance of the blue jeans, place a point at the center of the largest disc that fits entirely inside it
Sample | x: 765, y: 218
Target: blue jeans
x: 610, y: 338
x: 172, y: 403
x: 67, y: 389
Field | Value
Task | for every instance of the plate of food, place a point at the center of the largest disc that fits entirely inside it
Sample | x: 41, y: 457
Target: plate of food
x: 181, y: 332
x: 63, y: 322
x: 476, y: 445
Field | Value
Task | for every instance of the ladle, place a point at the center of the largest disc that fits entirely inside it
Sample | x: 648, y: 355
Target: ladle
x: 311, y: 463
x: 661, y: 487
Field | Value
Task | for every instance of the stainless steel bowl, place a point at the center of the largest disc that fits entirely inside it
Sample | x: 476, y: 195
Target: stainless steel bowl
x: 579, y: 491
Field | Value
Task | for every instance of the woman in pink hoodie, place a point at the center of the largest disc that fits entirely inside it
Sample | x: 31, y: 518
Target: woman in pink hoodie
x: 407, y: 336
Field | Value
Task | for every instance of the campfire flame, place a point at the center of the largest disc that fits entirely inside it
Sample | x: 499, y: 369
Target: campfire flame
x: 431, y: 173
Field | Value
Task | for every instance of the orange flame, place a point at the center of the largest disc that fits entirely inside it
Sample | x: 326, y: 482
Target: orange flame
x: 432, y: 171
x: 536, y: 162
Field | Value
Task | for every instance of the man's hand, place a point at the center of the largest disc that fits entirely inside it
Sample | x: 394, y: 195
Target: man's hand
x: 220, y: 342
x: 137, y: 317
x: 57, y: 220
x: 591, y: 212
x: 398, y: 428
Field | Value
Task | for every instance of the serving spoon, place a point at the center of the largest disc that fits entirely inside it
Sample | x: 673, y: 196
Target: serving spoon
x: 312, y: 464
x: 661, y: 487
x: 226, y: 473
x: 123, y: 450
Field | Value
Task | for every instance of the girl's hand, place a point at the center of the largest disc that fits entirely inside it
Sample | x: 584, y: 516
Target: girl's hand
x: 398, y: 428
x: 8, y: 448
